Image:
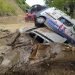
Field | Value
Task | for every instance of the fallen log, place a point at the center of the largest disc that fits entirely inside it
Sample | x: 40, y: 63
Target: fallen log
x: 6, y: 36
x: 23, y: 44
x: 13, y: 38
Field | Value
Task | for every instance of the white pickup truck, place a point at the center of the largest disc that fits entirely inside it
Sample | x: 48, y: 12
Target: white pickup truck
x: 58, y: 21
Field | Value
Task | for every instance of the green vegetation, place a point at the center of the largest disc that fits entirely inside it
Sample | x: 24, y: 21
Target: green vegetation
x: 59, y: 3
x: 22, y: 4
x: 68, y: 5
x: 6, y: 8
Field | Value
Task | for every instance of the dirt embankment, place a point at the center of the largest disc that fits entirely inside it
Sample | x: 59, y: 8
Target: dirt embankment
x: 9, y: 8
x: 14, y: 22
x: 18, y: 10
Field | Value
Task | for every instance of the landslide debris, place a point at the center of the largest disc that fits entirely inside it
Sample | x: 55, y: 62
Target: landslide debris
x: 23, y: 56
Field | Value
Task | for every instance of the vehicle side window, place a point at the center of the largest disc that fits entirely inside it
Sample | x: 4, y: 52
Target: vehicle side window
x: 39, y: 39
x: 65, y: 21
x: 32, y: 35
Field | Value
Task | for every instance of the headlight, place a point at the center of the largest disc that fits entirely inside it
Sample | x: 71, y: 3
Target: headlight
x: 40, y: 20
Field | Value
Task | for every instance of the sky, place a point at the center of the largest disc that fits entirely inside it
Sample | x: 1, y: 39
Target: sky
x: 33, y: 2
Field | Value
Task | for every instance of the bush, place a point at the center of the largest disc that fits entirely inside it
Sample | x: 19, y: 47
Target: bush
x: 6, y: 8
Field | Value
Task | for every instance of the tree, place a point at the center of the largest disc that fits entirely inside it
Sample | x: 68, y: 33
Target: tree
x: 62, y: 4
x: 56, y: 3
x: 70, y: 6
x: 48, y: 2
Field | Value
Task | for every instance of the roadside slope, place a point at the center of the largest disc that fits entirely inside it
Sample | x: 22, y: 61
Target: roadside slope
x: 9, y: 8
x: 18, y: 9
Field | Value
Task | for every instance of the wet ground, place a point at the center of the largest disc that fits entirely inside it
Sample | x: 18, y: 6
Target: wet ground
x: 14, y: 60
x: 16, y: 57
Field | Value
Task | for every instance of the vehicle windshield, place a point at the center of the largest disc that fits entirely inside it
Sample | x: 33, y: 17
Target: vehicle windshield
x: 65, y: 21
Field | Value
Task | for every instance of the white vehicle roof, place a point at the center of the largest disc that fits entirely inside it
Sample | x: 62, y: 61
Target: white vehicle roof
x: 56, y: 13
x: 49, y: 34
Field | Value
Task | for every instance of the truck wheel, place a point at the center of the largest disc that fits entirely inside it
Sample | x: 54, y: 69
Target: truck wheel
x: 39, y: 22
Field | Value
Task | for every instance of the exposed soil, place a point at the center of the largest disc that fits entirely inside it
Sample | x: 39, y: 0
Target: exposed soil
x: 14, y: 22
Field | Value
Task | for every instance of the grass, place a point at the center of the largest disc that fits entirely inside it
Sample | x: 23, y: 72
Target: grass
x: 6, y: 8
x: 22, y: 4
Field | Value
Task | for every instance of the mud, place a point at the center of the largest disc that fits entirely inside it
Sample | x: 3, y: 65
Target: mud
x: 54, y: 59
